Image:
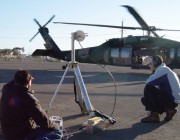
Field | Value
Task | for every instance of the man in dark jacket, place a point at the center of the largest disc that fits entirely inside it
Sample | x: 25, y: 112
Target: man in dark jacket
x: 21, y: 114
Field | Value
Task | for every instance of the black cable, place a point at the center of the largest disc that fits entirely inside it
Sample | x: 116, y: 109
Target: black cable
x: 109, y: 74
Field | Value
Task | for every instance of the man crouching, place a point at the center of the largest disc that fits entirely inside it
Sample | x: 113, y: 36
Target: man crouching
x: 161, y: 92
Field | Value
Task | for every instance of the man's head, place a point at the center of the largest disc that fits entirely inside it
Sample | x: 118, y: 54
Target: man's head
x: 23, y: 77
x: 155, y: 61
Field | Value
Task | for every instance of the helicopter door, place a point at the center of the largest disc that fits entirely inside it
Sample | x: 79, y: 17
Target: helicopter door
x: 121, y: 56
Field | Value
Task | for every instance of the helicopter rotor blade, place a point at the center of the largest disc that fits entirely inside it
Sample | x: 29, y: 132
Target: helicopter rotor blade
x: 40, y: 27
x: 49, y: 20
x: 37, y: 23
x: 100, y: 25
x: 139, y: 19
x: 158, y: 29
x: 38, y: 31
x: 33, y: 36
x: 149, y: 28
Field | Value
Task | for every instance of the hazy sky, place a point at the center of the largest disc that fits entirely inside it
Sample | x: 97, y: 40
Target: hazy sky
x: 17, y: 25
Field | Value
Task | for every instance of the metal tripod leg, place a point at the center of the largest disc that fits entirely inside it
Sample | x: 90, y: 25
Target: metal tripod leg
x: 59, y: 85
x: 84, y: 95
x: 83, y: 90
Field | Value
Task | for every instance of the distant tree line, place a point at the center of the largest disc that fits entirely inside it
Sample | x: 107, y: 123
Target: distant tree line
x: 11, y: 53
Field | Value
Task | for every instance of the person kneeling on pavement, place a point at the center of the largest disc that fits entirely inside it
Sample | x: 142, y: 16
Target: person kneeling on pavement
x: 161, y: 92
x: 22, y: 117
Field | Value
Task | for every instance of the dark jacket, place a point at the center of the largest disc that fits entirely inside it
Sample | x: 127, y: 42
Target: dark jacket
x: 20, y: 112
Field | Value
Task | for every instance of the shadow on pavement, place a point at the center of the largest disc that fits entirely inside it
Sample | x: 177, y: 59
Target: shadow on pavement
x: 53, y: 77
x: 131, y: 133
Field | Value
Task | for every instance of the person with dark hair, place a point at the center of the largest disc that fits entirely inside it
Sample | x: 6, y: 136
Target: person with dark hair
x: 161, y: 92
x: 21, y: 115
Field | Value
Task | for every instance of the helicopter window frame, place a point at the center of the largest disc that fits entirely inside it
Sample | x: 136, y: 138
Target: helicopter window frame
x: 115, y: 52
x: 172, y: 53
x: 178, y: 53
x: 125, y: 52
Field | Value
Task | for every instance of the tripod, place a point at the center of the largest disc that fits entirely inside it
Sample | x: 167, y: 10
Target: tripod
x: 84, y: 101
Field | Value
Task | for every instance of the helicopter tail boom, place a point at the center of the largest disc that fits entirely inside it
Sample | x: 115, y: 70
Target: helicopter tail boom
x: 50, y: 53
x: 40, y: 52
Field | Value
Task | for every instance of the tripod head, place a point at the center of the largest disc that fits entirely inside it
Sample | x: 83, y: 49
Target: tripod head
x: 78, y: 36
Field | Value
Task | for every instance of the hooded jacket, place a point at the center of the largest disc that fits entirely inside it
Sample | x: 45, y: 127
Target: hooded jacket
x: 21, y: 112
x: 167, y: 81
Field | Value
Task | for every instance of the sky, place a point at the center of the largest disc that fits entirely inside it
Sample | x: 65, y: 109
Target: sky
x: 17, y: 26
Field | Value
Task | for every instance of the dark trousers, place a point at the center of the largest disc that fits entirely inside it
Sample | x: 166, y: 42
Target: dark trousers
x: 45, y: 134
x: 156, y: 101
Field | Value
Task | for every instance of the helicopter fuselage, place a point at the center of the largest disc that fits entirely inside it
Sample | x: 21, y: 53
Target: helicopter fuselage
x: 130, y: 51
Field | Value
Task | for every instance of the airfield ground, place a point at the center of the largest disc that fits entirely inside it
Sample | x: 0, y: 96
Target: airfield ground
x: 128, y: 110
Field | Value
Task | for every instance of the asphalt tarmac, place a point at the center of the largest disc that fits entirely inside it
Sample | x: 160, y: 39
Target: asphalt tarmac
x: 127, y: 111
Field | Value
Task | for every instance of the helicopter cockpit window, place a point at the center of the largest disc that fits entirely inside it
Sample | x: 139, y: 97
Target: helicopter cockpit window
x: 114, y: 52
x: 172, y: 53
x: 125, y: 52
x: 178, y: 53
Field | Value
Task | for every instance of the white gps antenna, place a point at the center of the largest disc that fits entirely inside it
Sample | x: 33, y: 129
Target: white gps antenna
x: 78, y: 36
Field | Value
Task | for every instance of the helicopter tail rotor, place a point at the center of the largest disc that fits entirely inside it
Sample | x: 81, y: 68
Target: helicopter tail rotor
x: 41, y: 26
x: 33, y: 36
x: 49, y: 20
x: 37, y: 22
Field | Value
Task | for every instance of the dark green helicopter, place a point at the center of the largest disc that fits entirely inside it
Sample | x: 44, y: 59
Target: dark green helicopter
x: 133, y: 51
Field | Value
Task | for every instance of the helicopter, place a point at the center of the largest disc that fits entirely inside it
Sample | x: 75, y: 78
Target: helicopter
x: 131, y: 51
